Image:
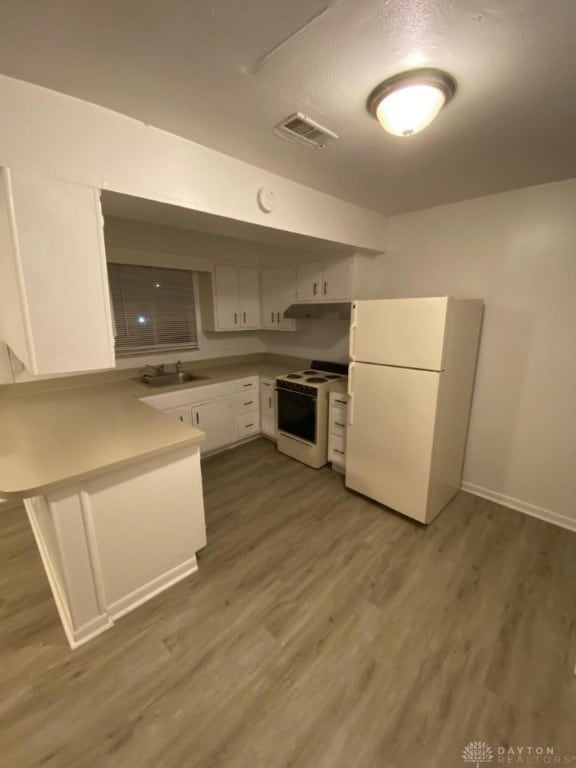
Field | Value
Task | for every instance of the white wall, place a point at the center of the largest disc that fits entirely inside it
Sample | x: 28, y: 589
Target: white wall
x: 132, y: 242
x: 322, y: 339
x: 55, y: 135
x: 517, y: 251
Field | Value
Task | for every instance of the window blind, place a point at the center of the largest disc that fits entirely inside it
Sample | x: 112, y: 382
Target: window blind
x: 153, y: 309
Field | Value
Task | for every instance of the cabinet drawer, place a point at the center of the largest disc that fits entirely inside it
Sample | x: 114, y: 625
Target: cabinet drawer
x: 248, y: 425
x: 246, y: 402
x: 247, y: 385
x: 338, y: 417
x: 337, y: 449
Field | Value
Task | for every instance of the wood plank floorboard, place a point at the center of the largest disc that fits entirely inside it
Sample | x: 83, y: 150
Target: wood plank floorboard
x: 321, y: 631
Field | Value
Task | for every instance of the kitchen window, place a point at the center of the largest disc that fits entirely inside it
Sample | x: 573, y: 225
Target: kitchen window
x: 153, y: 309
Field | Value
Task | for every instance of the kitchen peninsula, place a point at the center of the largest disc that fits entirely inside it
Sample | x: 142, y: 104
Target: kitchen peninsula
x: 112, y: 487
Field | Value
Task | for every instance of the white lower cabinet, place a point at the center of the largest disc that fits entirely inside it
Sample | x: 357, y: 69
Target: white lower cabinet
x: 182, y: 414
x: 248, y: 407
x: 216, y: 420
x: 337, y: 430
x: 227, y: 412
x: 248, y: 425
x: 268, y: 407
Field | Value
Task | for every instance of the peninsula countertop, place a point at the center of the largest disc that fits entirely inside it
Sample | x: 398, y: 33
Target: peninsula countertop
x: 62, y: 430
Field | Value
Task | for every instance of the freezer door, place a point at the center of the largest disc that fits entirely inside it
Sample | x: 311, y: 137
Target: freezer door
x: 391, y: 416
x: 405, y: 332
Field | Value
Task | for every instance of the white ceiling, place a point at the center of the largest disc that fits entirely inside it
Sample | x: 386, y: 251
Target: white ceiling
x: 224, y: 72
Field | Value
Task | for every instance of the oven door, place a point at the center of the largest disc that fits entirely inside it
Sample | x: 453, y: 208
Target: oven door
x: 297, y: 414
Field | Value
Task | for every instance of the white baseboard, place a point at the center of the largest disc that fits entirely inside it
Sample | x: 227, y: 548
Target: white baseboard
x: 153, y: 588
x: 522, y: 506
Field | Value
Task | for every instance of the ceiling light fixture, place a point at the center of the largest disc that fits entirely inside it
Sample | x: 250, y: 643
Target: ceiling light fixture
x: 406, y: 103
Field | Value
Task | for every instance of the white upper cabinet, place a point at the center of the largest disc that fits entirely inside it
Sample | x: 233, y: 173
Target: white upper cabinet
x: 54, y: 297
x: 226, y: 297
x: 309, y: 282
x: 230, y: 299
x: 249, y: 291
x: 278, y: 293
x: 326, y: 281
x: 336, y: 280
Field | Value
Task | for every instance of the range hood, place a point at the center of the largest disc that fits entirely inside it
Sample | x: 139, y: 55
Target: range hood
x: 339, y: 310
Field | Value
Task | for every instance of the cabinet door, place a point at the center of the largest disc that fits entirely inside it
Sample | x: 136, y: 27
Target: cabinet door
x: 268, y: 408
x: 182, y: 414
x: 286, y: 295
x: 309, y: 280
x: 226, y: 298
x: 269, y: 298
x: 54, y: 297
x: 249, y: 282
x: 216, y: 420
x: 336, y: 280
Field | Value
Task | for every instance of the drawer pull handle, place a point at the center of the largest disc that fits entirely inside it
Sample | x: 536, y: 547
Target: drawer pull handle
x: 338, y: 424
x: 338, y: 451
x: 244, y: 317
x: 197, y: 418
x: 250, y: 402
x: 247, y: 385
x: 249, y: 425
x: 235, y: 318
x: 340, y: 402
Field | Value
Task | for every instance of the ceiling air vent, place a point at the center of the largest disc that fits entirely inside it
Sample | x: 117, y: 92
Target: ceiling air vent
x: 298, y: 127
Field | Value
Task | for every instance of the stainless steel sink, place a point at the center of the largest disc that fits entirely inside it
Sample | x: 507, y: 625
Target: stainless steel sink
x: 170, y: 379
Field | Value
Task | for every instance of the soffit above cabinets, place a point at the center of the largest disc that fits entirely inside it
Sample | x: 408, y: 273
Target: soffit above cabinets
x: 225, y: 73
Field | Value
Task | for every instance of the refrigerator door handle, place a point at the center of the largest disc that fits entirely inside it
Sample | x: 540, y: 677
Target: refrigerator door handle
x: 352, y: 333
x: 350, y: 394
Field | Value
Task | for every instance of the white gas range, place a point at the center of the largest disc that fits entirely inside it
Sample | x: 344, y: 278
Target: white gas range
x: 302, y: 411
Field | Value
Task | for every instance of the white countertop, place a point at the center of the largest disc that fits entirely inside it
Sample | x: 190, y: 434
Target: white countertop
x: 57, y: 431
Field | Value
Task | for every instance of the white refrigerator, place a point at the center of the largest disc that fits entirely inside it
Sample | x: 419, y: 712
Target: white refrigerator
x: 410, y: 386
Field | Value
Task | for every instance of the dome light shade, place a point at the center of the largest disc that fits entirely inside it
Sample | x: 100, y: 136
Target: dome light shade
x: 405, y: 104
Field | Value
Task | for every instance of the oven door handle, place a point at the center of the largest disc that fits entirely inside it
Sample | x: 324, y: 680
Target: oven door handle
x: 293, y: 392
